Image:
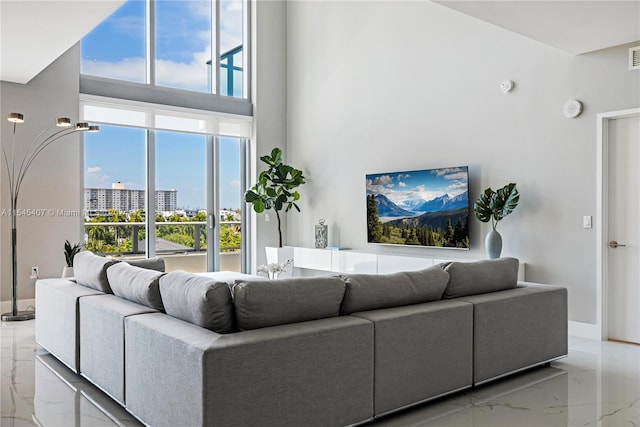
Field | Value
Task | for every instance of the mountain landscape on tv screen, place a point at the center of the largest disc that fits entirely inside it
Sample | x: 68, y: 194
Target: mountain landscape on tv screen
x: 423, y: 208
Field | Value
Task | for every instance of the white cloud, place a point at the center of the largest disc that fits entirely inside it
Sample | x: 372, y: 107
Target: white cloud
x: 402, y: 184
x: 130, y: 69
x: 459, y: 185
x: 235, y: 184
x: 456, y: 176
x: 446, y: 171
x: 94, y: 178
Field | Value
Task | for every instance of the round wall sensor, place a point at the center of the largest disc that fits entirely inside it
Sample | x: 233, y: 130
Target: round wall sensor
x: 572, y: 109
x: 506, y: 86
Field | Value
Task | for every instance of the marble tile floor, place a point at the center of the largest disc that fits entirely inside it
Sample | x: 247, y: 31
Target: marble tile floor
x: 598, y: 384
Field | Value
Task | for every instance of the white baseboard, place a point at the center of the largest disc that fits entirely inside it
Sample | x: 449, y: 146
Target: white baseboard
x: 584, y: 330
x: 23, y: 304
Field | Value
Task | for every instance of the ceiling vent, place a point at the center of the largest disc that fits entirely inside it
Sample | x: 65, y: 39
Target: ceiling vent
x: 634, y: 58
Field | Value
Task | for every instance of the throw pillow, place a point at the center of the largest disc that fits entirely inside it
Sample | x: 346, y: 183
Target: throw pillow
x: 263, y: 303
x: 373, y: 291
x: 136, y: 284
x: 91, y: 270
x: 471, y: 278
x: 199, y: 300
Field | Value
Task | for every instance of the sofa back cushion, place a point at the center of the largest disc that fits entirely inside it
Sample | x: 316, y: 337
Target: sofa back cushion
x: 373, y: 291
x: 200, y: 300
x: 156, y: 263
x: 91, y: 270
x: 471, y: 278
x: 136, y: 284
x: 263, y: 303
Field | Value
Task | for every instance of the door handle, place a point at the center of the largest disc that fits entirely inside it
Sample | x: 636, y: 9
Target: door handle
x: 212, y: 222
x: 613, y: 244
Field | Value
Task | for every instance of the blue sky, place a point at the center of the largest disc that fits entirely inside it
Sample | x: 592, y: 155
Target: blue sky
x: 400, y: 187
x: 116, y: 49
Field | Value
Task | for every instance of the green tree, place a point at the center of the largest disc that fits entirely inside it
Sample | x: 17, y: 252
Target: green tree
x: 413, y: 238
x: 374, y: 227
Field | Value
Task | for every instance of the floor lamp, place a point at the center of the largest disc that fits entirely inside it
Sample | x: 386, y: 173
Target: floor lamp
x: 42, y: 141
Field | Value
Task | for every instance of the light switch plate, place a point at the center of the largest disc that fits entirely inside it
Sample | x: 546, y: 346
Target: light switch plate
x: 586, y: 221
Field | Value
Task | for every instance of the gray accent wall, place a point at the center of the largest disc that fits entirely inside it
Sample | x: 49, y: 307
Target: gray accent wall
x: 54, y: 180
x: 389, y: 86
x: 268, y: 93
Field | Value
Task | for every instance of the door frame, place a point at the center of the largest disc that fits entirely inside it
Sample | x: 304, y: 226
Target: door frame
x: 602, y: 222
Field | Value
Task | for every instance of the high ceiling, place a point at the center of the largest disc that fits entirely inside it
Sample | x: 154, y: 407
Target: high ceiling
x: 33, y: 33
x: 573, y: 26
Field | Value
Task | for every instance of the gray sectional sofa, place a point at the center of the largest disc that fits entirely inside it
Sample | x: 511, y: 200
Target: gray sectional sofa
x: 189, y: 350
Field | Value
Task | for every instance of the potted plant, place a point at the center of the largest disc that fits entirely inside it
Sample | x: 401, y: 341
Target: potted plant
x: 494, y: 206
x: 69, y: 253
x: 276, y: 188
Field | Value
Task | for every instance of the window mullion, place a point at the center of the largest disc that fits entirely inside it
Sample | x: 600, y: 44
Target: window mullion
x: 150, y: 194
x: 151, y: 42
x: 216, y: 45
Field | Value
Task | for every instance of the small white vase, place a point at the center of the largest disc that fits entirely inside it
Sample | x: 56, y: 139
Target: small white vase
x: 67, y: 272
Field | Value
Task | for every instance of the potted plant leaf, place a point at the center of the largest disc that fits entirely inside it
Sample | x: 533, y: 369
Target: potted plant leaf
x: 276, y: 188
x: 69, y: 253
x: 494, y: 206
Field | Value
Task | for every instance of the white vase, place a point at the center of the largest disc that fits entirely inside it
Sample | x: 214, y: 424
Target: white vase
x: 283, y: 254
x: 67, y: 272
x: 493, y: 244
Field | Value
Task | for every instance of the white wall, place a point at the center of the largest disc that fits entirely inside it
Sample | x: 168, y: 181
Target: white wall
x: 53, y: 182
x: 269, y: 100
x: 390, y: 86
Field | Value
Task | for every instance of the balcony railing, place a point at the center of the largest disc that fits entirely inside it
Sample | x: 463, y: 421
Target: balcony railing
x: 175, y: 241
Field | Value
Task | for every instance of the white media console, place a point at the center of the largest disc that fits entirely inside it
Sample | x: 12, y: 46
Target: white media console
x: 313, y: 262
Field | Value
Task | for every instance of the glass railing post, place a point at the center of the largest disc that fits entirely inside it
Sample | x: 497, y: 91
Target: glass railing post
x: 196, y: 238
x: 134, y: 238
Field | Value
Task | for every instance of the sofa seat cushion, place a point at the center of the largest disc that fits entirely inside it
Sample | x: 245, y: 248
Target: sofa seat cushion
x: 517, y: 328
x: 57, y: 322
x: 91, y: 270
x: 373, y: 291
x: 262, y: 303
x: 472, y: 278
x: 196, y: 299
x: 102, y: 341
x: 136, y: 284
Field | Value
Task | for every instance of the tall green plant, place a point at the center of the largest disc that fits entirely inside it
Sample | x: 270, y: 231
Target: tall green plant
x: 275, y: 188
x: 495, y: 205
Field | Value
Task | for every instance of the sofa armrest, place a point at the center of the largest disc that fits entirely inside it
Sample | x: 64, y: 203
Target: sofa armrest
x: 310, y: 373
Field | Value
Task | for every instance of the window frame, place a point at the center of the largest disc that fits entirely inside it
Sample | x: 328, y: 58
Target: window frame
x: 152, y: 93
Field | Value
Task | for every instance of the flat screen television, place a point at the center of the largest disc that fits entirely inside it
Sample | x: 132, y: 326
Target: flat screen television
x: 427, y: 207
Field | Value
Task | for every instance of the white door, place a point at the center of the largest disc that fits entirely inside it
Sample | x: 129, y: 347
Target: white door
x: 623, y: 285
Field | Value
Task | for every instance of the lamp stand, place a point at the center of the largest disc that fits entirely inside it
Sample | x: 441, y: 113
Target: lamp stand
x: 15, y: 315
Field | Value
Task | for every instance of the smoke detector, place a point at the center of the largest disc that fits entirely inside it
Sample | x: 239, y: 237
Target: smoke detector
x: 634, y: 58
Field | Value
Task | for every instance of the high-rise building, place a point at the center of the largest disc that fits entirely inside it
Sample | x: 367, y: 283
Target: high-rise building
x: 117, y: 197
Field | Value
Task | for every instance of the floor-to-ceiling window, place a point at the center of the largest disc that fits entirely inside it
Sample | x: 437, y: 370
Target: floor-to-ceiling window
x: 165, y: 175
x: 195, y: 45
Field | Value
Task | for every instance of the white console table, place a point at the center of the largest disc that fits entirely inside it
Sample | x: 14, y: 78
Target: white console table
x: 311, y: 261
